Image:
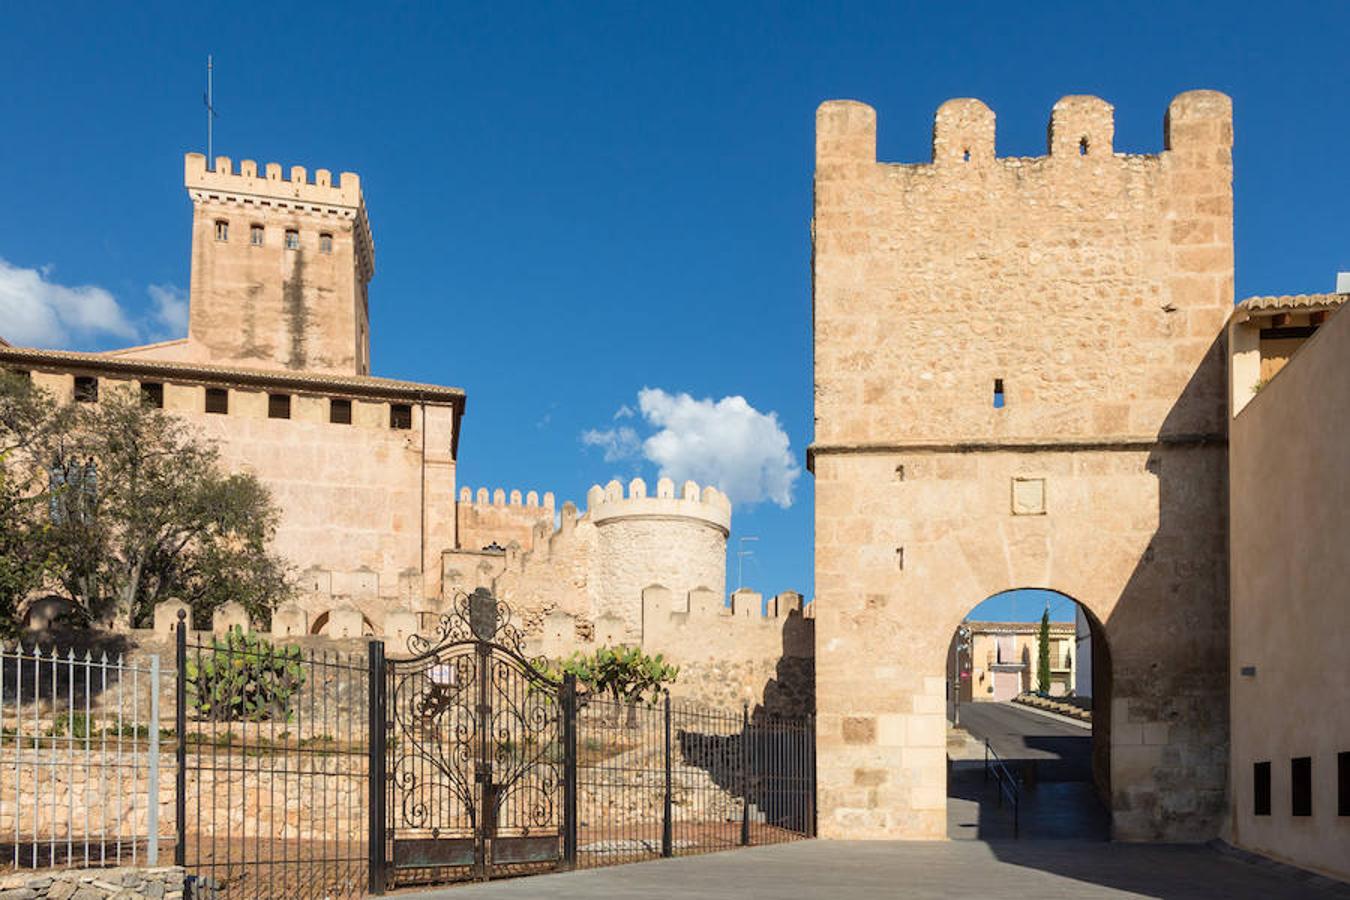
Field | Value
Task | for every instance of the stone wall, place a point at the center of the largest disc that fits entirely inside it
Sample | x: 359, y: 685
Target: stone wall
x: 499, y: 518
x: 1289, y: 492
x: 1020, y: 383
x: 164, y: 883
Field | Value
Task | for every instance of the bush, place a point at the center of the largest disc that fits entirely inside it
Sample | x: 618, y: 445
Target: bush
x: 244, y: 679
x: 625, y: 673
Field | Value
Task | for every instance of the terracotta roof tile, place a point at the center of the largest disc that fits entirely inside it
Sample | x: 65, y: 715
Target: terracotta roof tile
x: 363, y: 385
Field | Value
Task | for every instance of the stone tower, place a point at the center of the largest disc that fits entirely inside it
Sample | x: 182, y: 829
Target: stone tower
x: 1020, y: 384
x: 279, y: 268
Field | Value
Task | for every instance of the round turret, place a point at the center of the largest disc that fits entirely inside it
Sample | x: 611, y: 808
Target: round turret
x: 675, y: 540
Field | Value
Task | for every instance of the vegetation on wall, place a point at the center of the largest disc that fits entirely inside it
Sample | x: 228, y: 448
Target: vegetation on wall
x: 119, y: 506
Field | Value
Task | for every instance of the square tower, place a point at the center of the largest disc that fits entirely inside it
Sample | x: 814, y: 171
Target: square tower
x: 280, y: 268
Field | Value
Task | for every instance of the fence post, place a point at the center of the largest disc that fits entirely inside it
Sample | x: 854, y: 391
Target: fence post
x: 152, y: 801
x: 811, y: 773
x: 569, y: 714
x: 745, y: 775
x: 180, y: 734
x: 377, y: 715
x: 667, y: 825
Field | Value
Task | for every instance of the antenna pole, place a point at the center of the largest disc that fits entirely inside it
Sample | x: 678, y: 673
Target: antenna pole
x: 210, y: 114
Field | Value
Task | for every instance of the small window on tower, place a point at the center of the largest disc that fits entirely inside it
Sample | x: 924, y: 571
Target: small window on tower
x: 255, y: 235
x: 152, y: 394
x: 217, y: 401
x: 292, y: 239
x: 325, y: 243
x: 278, y: 406
x: 222, y: 230
x: 400, y: 416
x: 998, y: 393
x: 340, y: 412
x: 86, y: 389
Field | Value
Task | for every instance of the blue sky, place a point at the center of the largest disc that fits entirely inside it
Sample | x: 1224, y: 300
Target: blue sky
x: 572, y: 203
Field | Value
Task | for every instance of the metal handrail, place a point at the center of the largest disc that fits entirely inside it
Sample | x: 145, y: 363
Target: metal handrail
x: 1007, y: 784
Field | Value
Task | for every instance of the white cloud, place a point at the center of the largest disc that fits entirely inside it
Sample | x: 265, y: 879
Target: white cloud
x: 726, y: 443
x: 618, y: 443
x: 36, y: 311
x: 170, y: 315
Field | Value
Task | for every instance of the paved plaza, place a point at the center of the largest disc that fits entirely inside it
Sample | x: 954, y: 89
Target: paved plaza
x: 853, y: 870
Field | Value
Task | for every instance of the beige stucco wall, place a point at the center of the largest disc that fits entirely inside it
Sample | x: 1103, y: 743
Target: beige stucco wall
x: 1095, y: 285
x: 1290, y: 565
x: 350, y: 496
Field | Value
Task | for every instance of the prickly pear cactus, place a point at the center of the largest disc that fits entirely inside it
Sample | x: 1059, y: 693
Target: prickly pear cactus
x: 244, y: 679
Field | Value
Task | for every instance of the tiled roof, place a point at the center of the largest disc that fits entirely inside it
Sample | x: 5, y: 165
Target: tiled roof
x: 1287, y: 302
x: 320, y: 382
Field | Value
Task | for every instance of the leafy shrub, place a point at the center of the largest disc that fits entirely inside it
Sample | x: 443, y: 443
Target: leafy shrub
x: 244, y: 679
x: 625, y: 673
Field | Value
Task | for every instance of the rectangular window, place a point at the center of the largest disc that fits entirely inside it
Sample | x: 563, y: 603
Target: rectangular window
x: 1343, y: 784
x: 222, y: 230
x: 278, y: 406
x: 1261, y: 789
x: 255, y: 235
x: 217, y: 401
x: 998, y: 393
x: 86, y: 389
x: 400, y: 416
x: 22, y: 374
x: 340, y: 412
x: 325, y: 243
x: 1300, y: 785
x: 292, y: 239
x: 152, y: 394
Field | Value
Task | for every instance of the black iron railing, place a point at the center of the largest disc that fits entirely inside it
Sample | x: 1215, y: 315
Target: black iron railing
x: 1008, y: 785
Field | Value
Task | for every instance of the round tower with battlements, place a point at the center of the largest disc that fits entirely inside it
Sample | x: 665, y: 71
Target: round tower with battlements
x: 675, y: 539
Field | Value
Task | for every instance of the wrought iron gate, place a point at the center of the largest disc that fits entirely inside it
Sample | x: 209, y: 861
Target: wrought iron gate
x: 479, y: 751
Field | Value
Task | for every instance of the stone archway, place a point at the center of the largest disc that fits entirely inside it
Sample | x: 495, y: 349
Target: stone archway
x: 1020, y: 381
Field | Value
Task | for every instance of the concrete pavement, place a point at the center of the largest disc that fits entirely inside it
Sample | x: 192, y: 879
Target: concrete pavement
x: 853, y: 870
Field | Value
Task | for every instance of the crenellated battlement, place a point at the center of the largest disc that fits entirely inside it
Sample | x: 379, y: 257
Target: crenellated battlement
x: 294, y: 187
x: 499, y: 498
x: 1081, y: 132
x: 706, y: 504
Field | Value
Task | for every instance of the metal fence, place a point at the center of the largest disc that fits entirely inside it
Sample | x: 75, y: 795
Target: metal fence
x: 673, y: 779
x: 82, y: 779
x: 280, y: 792
x: 273, y: 791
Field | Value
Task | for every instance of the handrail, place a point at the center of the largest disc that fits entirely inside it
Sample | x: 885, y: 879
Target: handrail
x: 1007, y: 784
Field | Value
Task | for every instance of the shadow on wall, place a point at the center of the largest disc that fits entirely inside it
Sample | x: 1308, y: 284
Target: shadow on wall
x: 1168, y: 760
x: 792, y: 690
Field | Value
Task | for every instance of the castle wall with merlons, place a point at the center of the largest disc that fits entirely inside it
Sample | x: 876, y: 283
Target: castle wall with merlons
x: 1020, y: 383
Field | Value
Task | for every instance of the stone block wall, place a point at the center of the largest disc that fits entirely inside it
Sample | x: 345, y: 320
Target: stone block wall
x: 1020, y: 383
x: 161, y: 883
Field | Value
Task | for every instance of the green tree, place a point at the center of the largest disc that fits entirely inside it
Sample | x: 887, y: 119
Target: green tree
x: 142, y: 511
x: 26, y: 553
x: 1043, y: 655
x: 625, y: 673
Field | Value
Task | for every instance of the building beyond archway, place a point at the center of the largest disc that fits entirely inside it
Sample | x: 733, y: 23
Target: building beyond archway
x: 1020, y: 381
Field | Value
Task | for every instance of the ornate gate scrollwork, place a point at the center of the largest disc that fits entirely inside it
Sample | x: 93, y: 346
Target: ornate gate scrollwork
x: 478, y: 750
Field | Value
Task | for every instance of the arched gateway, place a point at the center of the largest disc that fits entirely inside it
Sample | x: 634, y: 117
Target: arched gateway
x: 1019, y: 381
